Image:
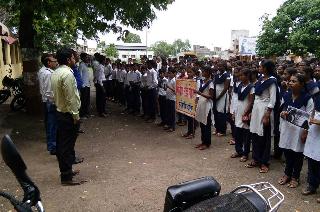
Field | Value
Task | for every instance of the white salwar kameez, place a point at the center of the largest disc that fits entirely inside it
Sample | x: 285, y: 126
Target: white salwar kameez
x: 261, y: 103
x: 240, y: 108
x: 312, y: 146
x: 204, y: 106
x: 290, y: 134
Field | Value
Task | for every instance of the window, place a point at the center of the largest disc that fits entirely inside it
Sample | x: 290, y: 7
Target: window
x: 149, y: 56
x: 124, y: 56
x: 133, y: 56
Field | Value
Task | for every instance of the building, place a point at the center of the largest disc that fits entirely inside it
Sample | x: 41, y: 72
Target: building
x: 235, y: 36
x: 10, y: 55
x: 201, y: 51
x: 133, y: 51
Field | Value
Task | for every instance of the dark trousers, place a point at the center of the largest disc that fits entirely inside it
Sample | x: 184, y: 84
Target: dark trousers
x: 232, y: 125
x: 67, y: 133
x: 107, y: 86
x: 192, y: 125
x: 144, y: 101
x: 206, y: 131
x: 313, y: 173
x: 113, y: 88
x: 121, y: 95
x: 242, y: 139
x: 294, y: 162
x: 181, y: 117
x: 171, y: 113
x: 277, y: 150
x: 220, y: 122
x: 261, y: 146
x: 50, y: 125
x: 85, y: 101
x: 151, y: 103
x: 128, y: 96
x: 162, y: 105
x: 136, y: 100
x: 100, y: 99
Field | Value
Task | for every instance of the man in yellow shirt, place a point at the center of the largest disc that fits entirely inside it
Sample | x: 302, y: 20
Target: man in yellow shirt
x: 67, y: 101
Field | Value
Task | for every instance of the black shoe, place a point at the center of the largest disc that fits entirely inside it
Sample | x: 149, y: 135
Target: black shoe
x: 72, y: 182
x: 78, y: 160
x: 53, y: 152
x: 80, y: 131
x: 309, y: 191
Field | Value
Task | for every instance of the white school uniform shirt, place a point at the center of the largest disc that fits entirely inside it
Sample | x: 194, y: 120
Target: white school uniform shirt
x: 204, y: 106
x: 234, y: 99
x: 114, y: 73
x: 222, y: 103
x: 162, y: 89
x: 44, y: 76
x: 118, y: 75
x: 152, y: 79
x: 312, y: 145
x: 171, y: 95
x: 99, y: 75
x: 108, y: 71
x: 261, y: 103
x: 240, y: 108
x: 122, y: 75
x: 144, y: 80
x: 84, y: 72
x: 290, y: 134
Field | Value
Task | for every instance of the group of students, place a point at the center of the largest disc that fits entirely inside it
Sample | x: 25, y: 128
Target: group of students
x: 253, y: 97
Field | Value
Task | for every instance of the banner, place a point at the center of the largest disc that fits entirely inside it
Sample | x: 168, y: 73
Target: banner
x: 247, y: 45
x: 186, y: 97
x: 298, y: 117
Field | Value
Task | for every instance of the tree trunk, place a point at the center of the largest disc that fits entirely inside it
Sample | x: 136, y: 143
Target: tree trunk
x: 30, y: 56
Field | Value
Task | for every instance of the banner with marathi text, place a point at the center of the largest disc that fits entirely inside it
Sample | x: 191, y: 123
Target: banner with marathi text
x: 186, y: 97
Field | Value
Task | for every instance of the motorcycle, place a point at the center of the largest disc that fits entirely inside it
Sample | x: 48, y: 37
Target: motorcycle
x: 15, y: 87
x: 14, y: 161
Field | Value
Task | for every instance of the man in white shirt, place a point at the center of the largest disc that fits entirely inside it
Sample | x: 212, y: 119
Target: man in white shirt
x: 108, y: 83
x: 44, y: 76
x: 85, y: 90
x: 152, y: 84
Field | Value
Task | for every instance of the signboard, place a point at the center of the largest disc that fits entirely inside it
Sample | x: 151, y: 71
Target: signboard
x: 298, y: 117
x: 247, y: 45
x: 186, y: 97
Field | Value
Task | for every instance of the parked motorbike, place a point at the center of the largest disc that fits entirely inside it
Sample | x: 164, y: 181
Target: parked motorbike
x: 13, y: 87
x: 15, y: 162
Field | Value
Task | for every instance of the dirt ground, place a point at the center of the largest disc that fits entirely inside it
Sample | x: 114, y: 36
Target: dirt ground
x: 129, y: 165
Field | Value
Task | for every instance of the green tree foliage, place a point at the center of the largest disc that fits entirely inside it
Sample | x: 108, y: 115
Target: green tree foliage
x: 295, y: 28
x: 111, y: 51
x: 131, y: 38
x: 102, y: 45
x: 164, y: 49
x: 51, y: 22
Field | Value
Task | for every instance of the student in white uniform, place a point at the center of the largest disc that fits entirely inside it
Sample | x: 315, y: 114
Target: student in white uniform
x: 292, y: 137
x: 221, y: 86
x: 143, y: 88
x: 171, y: 101
x: 242, y: 109
x: 312, y: 146
x: 135, y: 81
x: 234, y: 84
x: 204, y: 109
x: 162, y: 95
x: 262, y: 117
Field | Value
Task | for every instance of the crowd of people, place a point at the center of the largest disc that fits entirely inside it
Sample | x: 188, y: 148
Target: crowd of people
x: 253, y: 97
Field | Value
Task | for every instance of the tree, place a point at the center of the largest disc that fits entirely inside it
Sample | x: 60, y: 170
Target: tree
x: 102, y: 45
x: 162, y: 49
x: 131, y: 38
x: 181, y: 46
x: 43, y: 22
x: 111, y: 51
x: 295, y: 28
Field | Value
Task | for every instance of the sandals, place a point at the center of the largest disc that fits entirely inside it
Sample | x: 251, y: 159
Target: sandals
x: 252, y: 164
x: 243, y: 159
x: 198, y: 145
x: 191, y: 136
x: 294, y: 183
x: 203, y: 147
x: 235, y: 155
x: 232, y: 142
x: 220, y: 134
x: 185, y: 135
x: 264, y: 169
x: 284, y: 180
x: 170, y: 130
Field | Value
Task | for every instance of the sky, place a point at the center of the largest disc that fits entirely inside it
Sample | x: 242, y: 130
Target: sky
x: 204, y: 22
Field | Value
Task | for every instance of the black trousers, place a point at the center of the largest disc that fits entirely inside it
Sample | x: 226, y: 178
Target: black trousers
x: 151, y: 103
x: 294, y: 162
x: 128, y: 96
x: 100, y: 99
x: 313, y: 173
x: 242, y: 139
x: 144, y: 101
x: 220, y: 122
x: 232, y: 125
x: 136, y: 99
x: 171, y: 113
x: 206, y: 131
x: 67, y: 133
x: 192, y: 125
x: 121, y: 94
x: 162, y: 105
x: 85, y: 101
x: 261, y: 146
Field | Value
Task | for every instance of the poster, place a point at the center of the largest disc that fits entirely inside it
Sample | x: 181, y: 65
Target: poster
x: 186, y: 97
x: 247, y: 45
x: 298, y: 117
